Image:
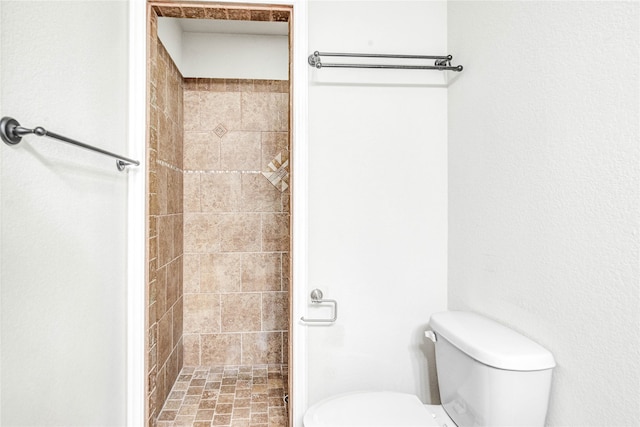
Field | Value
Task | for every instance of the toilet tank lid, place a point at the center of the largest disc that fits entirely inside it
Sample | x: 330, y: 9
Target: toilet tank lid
x: 491, y: 343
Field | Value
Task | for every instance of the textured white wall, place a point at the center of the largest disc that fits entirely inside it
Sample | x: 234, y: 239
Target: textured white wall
x: 170, y: 34
x: 226, y: 55
x: 63, y: 213
x: 544, y: 178
x: 377, y: 199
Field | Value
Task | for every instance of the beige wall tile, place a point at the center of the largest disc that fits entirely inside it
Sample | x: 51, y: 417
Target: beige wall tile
x: 261, y: 272
x: 165, y: 138
x: 201, y: 151
x: 153, y: 247
x: 177, y: 326
x: 275, y: 311
x: 285, y: 347
x: 239, y: 232
x: 191, y: 274
x: 163, y: 190
x: 286, y: 271
x: 261, y: 347
x: 220, y: 108
x: 178, y: 234
x: 174, y: 277
x: 274, y: 143
x: 240, y: 151
x: 201, y: 233
x: 174, y: 191
x: 259, y: 195
x: 191, y: 110
x: 191, y: 349
x: 161, y: 81
x: 275, y: 232
x: 165, y: 239
x: 220, y: 272
x: 220, y: 192
x: 165, y: 337
x: 191, y: 199
x: 264, y: 111
x: 201, y: 313
x: 270, y: 86
x: 220, y: 349
x: 161, y: 292
x: 240, y: 312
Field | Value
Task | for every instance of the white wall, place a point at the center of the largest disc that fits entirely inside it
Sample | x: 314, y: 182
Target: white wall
x: 170, y: 33
x: 63, y: 215
x: 543, y: 190
x: 377, y: 200
x: 208, y: 53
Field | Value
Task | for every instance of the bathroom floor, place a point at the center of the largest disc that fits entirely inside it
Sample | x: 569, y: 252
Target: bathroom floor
x: 237, y: 396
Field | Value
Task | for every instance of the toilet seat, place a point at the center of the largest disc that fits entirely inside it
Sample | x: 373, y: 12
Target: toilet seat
x: 375, y: 409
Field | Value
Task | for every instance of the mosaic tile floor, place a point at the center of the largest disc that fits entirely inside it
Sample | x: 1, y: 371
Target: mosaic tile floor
x: 236, y: 396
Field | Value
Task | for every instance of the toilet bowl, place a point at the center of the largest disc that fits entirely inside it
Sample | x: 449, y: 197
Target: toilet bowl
x: 376, y: 409
x: 488, y: 375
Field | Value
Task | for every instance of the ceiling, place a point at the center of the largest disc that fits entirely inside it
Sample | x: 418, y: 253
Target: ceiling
x: 232, y: 27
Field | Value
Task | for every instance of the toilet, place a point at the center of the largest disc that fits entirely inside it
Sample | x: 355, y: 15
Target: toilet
x: 488, y: 375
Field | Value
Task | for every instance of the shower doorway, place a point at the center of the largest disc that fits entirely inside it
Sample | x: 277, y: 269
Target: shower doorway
x: 218, y: 214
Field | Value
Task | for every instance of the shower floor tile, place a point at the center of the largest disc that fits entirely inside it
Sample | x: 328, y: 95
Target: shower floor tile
x: 234, y: 396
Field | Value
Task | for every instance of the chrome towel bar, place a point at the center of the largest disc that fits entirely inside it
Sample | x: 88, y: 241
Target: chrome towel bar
x: 12, y: 133
x: 442, y: 63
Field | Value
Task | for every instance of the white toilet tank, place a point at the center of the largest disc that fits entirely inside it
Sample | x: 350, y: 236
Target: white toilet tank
x: 490, y: 375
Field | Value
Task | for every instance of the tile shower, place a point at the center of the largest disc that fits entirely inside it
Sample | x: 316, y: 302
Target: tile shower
x: 218, y: 227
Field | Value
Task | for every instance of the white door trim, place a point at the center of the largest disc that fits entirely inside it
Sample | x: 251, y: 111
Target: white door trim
x: 136, y: 213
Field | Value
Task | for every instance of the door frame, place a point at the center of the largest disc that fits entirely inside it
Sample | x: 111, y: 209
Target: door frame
x: 136, y: 269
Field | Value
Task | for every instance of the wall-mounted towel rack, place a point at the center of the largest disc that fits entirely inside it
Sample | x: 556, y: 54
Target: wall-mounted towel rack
x: 442, y: 63
x: 12, y: 133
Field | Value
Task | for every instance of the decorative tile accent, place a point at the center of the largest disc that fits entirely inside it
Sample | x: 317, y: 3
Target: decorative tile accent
x: 220, y: 130
x: 279, y: 175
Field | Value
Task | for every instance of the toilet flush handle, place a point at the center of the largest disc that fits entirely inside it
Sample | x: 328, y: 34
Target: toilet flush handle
x: 431, y: 335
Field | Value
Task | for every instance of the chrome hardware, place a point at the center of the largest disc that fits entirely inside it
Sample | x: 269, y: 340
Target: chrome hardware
x: 316, y: 298
x: 442, y: 63
x: 12, y: 133
x: 431, y: 335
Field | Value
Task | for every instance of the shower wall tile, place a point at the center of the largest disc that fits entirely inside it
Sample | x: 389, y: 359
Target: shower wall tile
x: 265, y: 111
x: 240, y: 232
x: 274, y: 143
x: 191, y: 275
x: 240, y: 312
x: 164, y: 223
x: 220, y: 108
x: 220, y: 272
x: 191, y: 349
x: 234, y: 250
x: 261, y: 348
x: 220, y: 349
x: 259, y: 195
x: 201, y: 151
x: 235, y: 12
x: 201, y: 313
x: 240, y: 151
x: 191, y: 110
x: 275, y: 232
x: 220, y: 192
x: 275, y: 311
x: 201, y: 233
x: 191, y: 195
x: 261, y: 272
